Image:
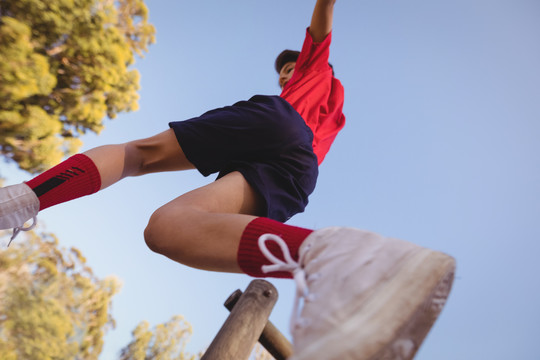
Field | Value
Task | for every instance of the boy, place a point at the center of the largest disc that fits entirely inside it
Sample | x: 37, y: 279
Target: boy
x: 364, y: 296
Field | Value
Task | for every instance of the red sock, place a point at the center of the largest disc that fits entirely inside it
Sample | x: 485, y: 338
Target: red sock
x: 77, y: 176
x: 251, y: 259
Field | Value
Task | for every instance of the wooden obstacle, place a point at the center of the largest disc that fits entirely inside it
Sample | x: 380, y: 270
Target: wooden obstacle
x: 248, y: 323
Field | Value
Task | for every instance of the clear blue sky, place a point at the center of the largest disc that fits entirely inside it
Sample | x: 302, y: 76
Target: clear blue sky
x: 440, y: 148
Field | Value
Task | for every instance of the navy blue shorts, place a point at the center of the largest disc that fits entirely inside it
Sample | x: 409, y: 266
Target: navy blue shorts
x: 266, y: 140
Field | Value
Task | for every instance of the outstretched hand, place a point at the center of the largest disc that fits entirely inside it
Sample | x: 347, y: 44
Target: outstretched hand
x: 321, y: 20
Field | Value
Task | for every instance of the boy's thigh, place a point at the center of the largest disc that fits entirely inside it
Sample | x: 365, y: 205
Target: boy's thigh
x: 230, y: 194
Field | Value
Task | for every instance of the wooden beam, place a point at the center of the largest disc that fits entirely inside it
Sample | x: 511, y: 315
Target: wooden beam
x: 238, y: 335
x: 271, y: 338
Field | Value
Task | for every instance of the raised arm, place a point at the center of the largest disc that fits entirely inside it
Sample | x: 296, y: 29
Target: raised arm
x: 321, y: 21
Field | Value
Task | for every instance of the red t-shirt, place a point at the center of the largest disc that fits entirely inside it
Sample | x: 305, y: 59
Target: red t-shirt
x: 316, y: 94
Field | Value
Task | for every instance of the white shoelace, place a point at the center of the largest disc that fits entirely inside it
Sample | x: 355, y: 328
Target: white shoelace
x: 17, y: 230
x: 299, y: 275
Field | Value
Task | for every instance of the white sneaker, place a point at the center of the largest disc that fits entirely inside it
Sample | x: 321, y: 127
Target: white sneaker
x: 365, y: 296
x: 18, y: 204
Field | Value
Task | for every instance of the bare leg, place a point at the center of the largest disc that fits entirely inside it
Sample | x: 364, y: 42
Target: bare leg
x: 202, y: 228
x: 155, y: 154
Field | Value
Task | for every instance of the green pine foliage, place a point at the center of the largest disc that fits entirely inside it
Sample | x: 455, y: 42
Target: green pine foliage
x: 64, y: 66
x: 165, y: 341
x: 52, y: 306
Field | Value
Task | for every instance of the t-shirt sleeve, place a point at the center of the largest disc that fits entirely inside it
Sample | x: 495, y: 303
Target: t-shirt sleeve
x: 314, y: 56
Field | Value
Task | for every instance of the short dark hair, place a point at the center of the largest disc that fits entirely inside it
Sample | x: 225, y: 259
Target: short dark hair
x: 285, y: 57
x: 289, y: 56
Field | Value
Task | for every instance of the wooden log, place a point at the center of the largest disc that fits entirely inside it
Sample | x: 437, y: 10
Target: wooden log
x: 271, y: 338
x: 238, y: 335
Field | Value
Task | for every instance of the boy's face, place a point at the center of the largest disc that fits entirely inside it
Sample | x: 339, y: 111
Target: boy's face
x: 286, y: 73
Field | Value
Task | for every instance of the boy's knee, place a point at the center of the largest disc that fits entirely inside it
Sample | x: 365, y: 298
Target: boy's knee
x: 142, y: 156
x: 154, y: 234
x: 155, y: 154
x: 134, y: 159
x: 164, y: 232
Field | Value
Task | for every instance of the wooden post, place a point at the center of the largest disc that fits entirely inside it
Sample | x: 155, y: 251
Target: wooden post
x: 238, y: 335
x: 271, y: 338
